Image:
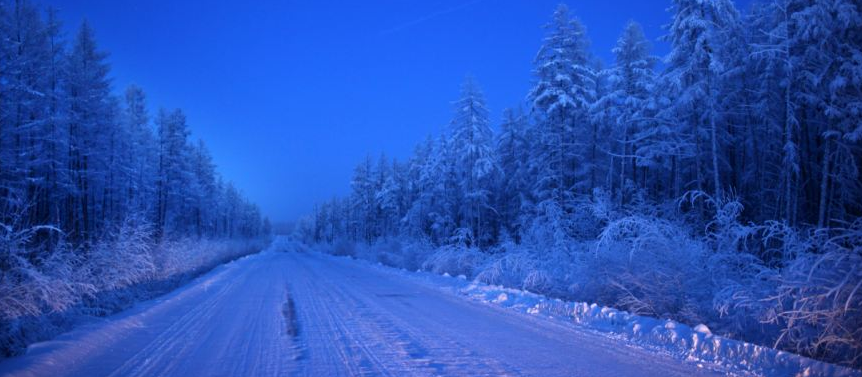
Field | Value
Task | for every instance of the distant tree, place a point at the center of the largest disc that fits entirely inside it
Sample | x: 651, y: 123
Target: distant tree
x: 362, y: 200
x: 205, y: 174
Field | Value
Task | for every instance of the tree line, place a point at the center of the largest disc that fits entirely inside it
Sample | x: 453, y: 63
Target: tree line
x: 102, y: 204
x: 78, y: 157
x: 762, y: 106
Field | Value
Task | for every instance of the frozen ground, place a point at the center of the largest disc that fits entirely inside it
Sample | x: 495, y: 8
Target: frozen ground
x: 292, y: 313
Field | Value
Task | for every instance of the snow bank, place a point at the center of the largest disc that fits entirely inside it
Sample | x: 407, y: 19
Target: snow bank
x: 696, y: 344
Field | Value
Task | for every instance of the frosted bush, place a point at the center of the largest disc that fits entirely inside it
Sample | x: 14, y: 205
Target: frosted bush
x: 528, y: 268
x: 124, y: 258
x: 508, y: 269
x: 819, y: 298
x: 388, y: 251
x: 741, y: 282
x: 743, y: 286
x: 363, y: 251
x: 550, y: 230
x: 454, y: 260
x: 176, y: 258
x: 652, y: 268
x: 416, y: 252
x: 589, y: 214
x: 172, y: 257
x: 538, y: 281
x: 35, y: 280
x: 343, y: 247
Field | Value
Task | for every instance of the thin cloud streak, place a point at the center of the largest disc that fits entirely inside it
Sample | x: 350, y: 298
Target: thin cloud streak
x: 428, y: 17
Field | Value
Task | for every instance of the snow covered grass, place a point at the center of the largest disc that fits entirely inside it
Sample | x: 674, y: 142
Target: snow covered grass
x: 48, y: 286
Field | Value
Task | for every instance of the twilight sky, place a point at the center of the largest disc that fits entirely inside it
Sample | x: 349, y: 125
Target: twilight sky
x: 290, y: 95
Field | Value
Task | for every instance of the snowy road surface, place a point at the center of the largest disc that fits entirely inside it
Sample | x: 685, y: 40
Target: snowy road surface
x: 290, y: 313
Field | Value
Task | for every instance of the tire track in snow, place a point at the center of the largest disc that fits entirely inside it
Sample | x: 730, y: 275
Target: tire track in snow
x: 322, y: 335
x: 159, y: 354
x: 417, y: 349
x: 376, y: 346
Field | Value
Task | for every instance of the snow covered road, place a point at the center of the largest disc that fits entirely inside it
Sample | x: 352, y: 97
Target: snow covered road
x: 290, y: 313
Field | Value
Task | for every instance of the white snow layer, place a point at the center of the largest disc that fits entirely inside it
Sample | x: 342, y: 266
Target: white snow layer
x: 695, y: 344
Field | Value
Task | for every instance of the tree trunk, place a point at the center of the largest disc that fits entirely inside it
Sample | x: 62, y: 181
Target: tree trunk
x: 824, y: 185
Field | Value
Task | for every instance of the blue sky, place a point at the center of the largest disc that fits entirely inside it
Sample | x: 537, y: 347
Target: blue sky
x: 290, y: 95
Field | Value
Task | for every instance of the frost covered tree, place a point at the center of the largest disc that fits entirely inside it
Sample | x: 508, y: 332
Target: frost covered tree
x: 694, y: 69
x: 204, y: 190
x: 417, y: 189
x: 561, y: 101
x: 513, y: 185
x: 31, y: 164
x: 472, y: 146
x: 174, y: 174
x: 89, y: 113
x: 385, y: 201
x: 628, y: 101
x: 141, y: 152
x: 801, y: 56
x: 361, y: 200
x: 826, y: 35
